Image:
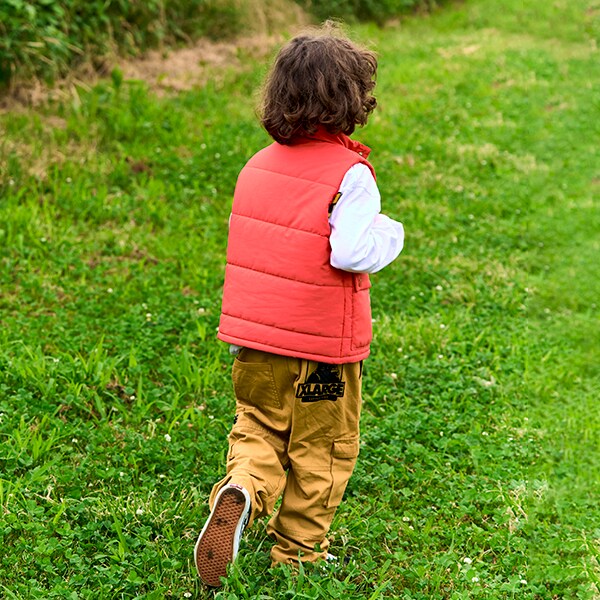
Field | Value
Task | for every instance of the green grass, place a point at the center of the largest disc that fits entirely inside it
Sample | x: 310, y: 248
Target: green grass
x: 479, y: 468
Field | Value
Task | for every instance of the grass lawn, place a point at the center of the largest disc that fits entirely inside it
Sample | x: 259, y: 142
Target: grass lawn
x: 479, y: 474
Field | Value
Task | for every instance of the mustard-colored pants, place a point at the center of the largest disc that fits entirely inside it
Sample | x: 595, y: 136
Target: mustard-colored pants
x: 296, y: 433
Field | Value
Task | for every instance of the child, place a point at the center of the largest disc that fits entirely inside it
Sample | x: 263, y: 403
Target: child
x: 305, y: 231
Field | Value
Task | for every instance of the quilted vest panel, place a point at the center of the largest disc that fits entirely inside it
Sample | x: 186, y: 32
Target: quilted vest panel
x: 281, y: 295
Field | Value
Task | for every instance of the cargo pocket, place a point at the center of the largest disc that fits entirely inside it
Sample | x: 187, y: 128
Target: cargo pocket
x: 254, y: 384
x: 343, y: 459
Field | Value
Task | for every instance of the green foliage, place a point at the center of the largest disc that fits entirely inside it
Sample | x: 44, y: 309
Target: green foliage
x: 48, y: 37
x: 480, y: 457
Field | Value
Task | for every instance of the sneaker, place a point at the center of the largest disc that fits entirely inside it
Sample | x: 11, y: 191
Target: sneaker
x: 219, y: 540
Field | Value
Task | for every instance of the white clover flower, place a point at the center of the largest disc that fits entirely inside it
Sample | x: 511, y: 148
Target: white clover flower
x: 394, y: 375
x: 523, y: 581
x: 109, y: 290
x: 439, y: 288
x: 167, y: 437
x: 467, y: 560
x: 475, y: 579
x: 139, y: 511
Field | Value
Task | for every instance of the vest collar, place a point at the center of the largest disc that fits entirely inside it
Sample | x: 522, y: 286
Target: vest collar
x: 338, y: 138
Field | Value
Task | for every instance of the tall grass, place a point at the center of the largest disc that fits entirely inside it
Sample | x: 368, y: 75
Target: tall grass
x: 47, y: 39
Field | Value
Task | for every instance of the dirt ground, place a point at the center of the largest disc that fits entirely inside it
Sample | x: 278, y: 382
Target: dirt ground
x: 186, y: 68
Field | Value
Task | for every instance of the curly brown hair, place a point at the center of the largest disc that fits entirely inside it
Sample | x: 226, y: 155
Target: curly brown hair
x: 319, y: 78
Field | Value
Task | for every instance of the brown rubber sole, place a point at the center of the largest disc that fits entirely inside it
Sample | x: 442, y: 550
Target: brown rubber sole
x: 215, y: 547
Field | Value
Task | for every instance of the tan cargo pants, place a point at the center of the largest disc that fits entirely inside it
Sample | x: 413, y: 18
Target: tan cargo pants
x: 296, y: 432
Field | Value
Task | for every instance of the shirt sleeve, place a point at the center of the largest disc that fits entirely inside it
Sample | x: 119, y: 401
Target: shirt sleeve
x: 362, y: 239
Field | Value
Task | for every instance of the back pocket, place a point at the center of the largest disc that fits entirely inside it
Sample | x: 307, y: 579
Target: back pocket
x: 254, y: 384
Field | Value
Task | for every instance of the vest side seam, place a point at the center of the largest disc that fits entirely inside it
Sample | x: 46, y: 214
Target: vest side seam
x: 344, y: 325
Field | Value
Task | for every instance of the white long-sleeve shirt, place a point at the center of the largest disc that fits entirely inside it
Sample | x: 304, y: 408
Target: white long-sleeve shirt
x: 362, y: 239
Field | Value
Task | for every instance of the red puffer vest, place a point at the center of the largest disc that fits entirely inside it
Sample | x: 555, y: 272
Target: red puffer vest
x: 281, y: 295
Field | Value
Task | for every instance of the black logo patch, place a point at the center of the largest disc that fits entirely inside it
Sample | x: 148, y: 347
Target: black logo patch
x: 324, y: 383
x: 335, y: 200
